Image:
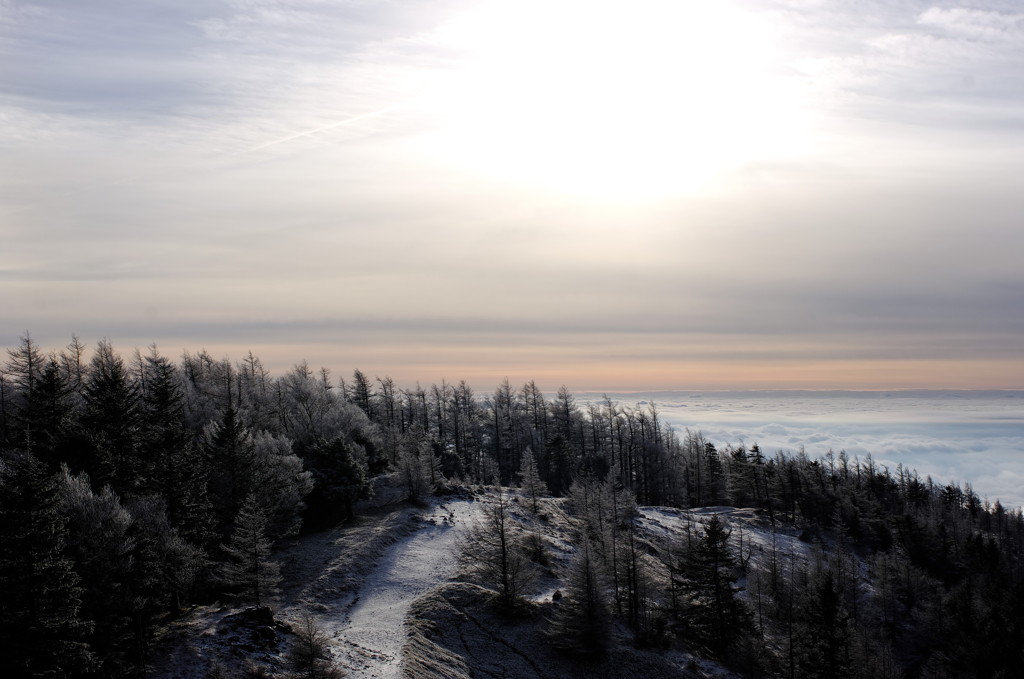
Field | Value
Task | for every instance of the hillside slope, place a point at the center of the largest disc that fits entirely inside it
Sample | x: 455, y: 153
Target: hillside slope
x: 391, y: 600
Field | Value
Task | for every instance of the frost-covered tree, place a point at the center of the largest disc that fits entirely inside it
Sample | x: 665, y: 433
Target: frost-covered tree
x: 209, y: 387
x: 248, y: 569
x: 493, y: 549
x: 280, y: 479
x: 102, y: 542
x: 166, y: 565
x: 308, y: 405
x: 529, y: 479
x: 310, y: 654
x: 419, y: 468
x: 133, y: 563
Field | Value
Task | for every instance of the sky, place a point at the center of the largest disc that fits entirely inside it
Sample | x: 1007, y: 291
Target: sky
x: 783, y: 194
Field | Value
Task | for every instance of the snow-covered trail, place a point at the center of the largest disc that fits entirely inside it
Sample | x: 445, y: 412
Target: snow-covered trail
x: 367, y: 638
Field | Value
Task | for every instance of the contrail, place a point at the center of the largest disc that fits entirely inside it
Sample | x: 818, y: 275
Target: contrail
x: 273, y: 142
x: 340, y: 123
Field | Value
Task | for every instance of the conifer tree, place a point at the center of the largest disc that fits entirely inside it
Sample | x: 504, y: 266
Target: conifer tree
x: 529, y: 479
x: 248, y: 569
x: 45, y: 415
x: 243, y: 462
x: 111, y: 420
x: 494, y: 551
x: 102, y: 542
x: 705, y: 591
x: 339, y: 479
x: 24, y: 366
x: 179, y: 473
x: 228, y: 449
x: 419, y: 468
x: 41, y: 633
x: 823, y: 638
x: 580, y: 624
x: 361, y: 393
x: 19, y: 379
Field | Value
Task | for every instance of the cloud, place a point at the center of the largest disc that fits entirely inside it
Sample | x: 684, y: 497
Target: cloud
x: 266, y: 169
x: 951, y: 436
x: 998, y: 30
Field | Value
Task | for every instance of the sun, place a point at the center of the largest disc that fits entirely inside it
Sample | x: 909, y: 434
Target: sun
x: 641, y: 99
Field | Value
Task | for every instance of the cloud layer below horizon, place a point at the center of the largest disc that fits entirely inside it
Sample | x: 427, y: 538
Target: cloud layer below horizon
x: 607, y: 195
x: 958, y: 437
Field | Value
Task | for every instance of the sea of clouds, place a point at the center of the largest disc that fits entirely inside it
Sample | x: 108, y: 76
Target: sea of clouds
x: 960, y: 436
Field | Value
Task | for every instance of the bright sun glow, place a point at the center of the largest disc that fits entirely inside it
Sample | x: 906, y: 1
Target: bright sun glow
x: 642, y: 99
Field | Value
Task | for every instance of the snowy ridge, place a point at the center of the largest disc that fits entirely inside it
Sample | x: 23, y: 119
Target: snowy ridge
x: 367, y: 629
x: 366, y: 583
x: 357, y: 581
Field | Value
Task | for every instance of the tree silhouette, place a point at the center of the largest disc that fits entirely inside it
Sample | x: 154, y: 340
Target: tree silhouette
x: 40, y: 630
x: 705, y: 591
x: 823, y: 639
x: 581, y: 624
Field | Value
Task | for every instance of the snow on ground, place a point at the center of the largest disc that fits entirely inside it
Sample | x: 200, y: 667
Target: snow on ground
x: 752, y: 535
x: 367, y: 628
x: 357, y: 580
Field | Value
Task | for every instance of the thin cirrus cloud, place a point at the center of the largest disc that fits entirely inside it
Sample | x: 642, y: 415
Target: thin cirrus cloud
x: 795, y: 189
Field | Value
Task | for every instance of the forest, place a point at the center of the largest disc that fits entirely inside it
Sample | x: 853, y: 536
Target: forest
x: 132, y: 487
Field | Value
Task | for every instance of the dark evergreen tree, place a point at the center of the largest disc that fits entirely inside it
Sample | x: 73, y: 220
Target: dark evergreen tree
x: 581, y: 624
x: 24, y: 366
x: 704, y: 583
x: 111, y: 420
x: 41, y: 631
x: 228, y: 452
x: 241, y: 462
x: 339, y: 479
x: 180, y: 474
x: 20, y: 376
x: 6, y: 408
x: 361, y: 393
x: 823, y: 637
x: 45, y: 418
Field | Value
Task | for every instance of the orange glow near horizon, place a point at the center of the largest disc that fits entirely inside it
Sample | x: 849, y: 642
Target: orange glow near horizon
x: 484, y: 367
